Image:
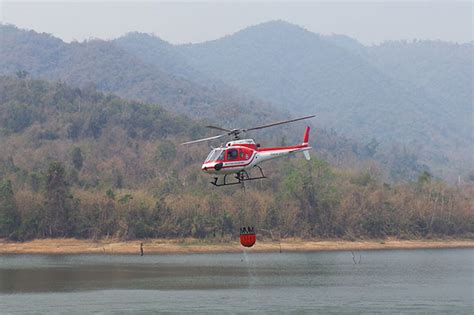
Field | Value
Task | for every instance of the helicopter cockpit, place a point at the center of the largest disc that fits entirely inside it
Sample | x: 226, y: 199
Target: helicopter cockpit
x: 229, y: 154
x: 215, y: 155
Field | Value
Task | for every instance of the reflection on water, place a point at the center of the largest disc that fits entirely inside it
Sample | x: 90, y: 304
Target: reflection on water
x: 384, y: 281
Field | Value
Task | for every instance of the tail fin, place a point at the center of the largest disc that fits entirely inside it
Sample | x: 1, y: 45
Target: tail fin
x: 306, y: 136
x: 305, y: 143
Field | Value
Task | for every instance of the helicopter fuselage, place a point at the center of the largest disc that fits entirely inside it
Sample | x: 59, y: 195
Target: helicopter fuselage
x: 243, y: 155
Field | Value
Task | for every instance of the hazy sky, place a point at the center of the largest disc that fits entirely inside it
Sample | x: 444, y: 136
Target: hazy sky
x: 195, y: 21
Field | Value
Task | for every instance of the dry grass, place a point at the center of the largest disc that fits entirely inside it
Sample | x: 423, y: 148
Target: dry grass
x: 114, y: 246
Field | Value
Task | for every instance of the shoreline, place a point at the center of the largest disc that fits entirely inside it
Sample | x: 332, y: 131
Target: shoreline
x: 187, y: 246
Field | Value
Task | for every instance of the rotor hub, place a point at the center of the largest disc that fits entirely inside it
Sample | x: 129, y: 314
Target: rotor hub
x: 235, y: 133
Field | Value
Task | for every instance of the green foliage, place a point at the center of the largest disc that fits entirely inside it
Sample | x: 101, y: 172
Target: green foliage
x: 77, y: 158
x: 36, y: 181
x: 226, y: 224
x: 165, y: 151
x: 16, y: 116
x: 371, y: 147
x: 125, y: 199
x: 9, y: 217
x: 424, y: 178
x: 21, y: 74
x: 110, y: 194
x: 363, y: 179
x: 404, y: 165
x: 139, y: 223
x: 272, y: 218
x: 58, y: 205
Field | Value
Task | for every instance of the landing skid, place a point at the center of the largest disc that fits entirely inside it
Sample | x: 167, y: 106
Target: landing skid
x: 241, y: 177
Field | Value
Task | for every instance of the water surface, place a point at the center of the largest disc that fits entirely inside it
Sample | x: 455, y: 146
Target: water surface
x: 398, y: 281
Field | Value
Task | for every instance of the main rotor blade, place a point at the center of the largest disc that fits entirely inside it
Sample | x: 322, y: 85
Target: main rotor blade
x: 279, y: 123
x: 219, y: 128
x: 204, y: 139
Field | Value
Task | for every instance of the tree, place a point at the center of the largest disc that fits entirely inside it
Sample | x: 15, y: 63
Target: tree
x: 470, y: 176
x: 424, y: 178
x: 21, y: 74
x: 110, y: 194
x: 371, y: 148
x: 17, y: 116
x: 166, y: 151
x: 9, y: 217
x: 36, y: 180
x: 58, y: 202
x: 77, y: 158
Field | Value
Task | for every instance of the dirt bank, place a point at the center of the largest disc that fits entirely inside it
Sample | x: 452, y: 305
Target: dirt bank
x: 114, y: 246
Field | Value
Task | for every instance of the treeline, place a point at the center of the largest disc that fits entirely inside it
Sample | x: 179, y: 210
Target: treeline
x: 78, y: 163
x: 306, y: 200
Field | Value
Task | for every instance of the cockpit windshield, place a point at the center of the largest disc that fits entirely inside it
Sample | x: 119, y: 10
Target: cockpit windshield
x: 216, y: 154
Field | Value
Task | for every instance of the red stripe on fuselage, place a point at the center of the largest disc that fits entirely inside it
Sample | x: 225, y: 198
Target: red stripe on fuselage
x: 291, y: 147
x: 242, y: 165
x: 237, y: 165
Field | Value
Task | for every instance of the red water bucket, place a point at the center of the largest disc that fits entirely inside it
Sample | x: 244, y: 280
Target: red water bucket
x: 247, y: 236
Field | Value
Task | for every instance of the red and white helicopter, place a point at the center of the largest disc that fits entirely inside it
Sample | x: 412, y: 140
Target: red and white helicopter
x: 240, y: 156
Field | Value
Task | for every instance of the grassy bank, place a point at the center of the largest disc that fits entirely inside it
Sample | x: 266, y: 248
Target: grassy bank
x: 162, y: 246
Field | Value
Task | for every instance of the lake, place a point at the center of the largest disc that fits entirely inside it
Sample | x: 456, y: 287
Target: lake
x: 396, y: 281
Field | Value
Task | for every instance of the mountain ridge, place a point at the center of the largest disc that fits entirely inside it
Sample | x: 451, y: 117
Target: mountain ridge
x: 112, y: 69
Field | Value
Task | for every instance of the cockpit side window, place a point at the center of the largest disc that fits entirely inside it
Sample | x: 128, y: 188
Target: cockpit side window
x: 216, y: 154
x: 232, y: 154
x: 210, y: 156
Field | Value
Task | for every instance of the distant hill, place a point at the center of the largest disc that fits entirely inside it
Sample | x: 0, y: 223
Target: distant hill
x: 442, y: 73
x: 155, y: 51
x: 107, y: 67
x: 443, y: 70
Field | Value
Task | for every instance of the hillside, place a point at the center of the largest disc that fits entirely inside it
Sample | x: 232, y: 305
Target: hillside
x: 41, y: 122
x: 80, y: 163
x: 107, y: 67
x: 443, y: 70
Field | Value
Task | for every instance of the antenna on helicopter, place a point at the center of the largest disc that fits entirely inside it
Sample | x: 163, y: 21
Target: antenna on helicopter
x: 236, y: 132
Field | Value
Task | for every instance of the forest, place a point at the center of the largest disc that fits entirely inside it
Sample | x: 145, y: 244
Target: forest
x: 81, y: 163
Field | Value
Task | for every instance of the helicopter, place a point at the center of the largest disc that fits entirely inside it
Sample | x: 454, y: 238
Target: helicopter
x: 239, y: 156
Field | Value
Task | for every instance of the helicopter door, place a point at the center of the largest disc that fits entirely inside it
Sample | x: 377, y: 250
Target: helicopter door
x: 245, y: 154
x: 240, y: 154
